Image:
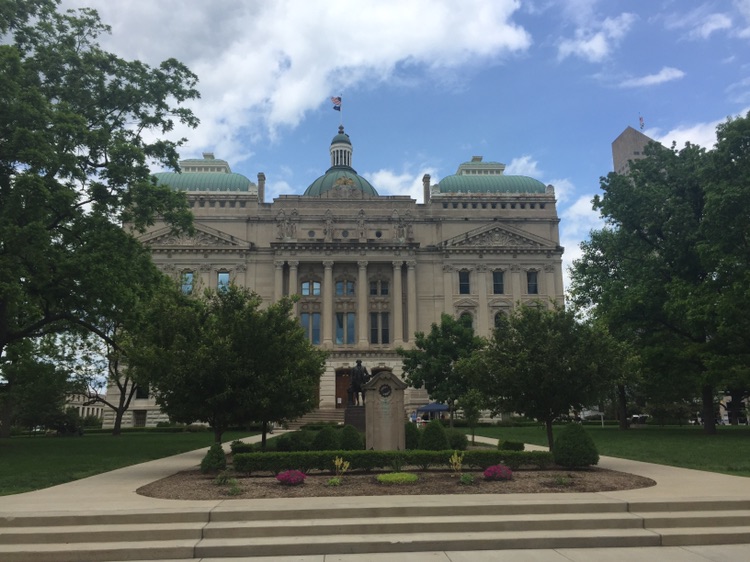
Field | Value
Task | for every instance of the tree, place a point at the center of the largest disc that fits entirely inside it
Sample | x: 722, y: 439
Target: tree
x: 432, y: 360
x: 78, y: 130
x: 224, y: 360
x: 545, y: 363
x: 669, y: 272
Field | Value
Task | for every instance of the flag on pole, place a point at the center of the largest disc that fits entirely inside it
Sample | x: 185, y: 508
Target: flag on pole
x: 641, y: 121
x: 336, y: 101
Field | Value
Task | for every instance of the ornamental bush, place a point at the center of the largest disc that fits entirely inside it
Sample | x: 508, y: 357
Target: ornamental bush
x: 398, y: 478
x: 574, y: 448
x: 215, y: 459
x: 510, y: 445
x: 412, y: 435
x: 351, y: 440
x: 498, y: 472
x: 457, y: 440
x: 327, y: 439
x: 434, y: 437
x: 291, y: 478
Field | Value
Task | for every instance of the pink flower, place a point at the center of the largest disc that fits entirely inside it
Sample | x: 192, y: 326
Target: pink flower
x: 498, y: 472
x: 291, y: 478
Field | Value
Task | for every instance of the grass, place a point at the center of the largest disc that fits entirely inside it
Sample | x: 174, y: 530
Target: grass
x: 32, y: 463
x: 727, y: 452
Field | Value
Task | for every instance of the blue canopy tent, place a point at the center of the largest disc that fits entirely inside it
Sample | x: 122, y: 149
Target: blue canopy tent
x: 432, y: 410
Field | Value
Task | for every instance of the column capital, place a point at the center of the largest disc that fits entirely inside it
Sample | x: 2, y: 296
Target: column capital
x: 397, y: 263
x: 411, y: 264
x: 279, y: 264
x: 362, y: 264
x: 293, y: 263
x: 328, y: 264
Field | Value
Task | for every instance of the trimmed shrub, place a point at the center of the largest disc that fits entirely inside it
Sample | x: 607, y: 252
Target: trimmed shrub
x: 434, y: 437
x: 398, y: 478
x: 457, y: 439
x: 351, y: 440
x: 301, y: 440
x: 510, y: 446
x: 574, y: 448
x: 215, y: 459
x: 412, y: 435
x: 327, y: 439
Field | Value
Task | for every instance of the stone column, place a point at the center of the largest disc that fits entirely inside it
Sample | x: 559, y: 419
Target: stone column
x: 448, y: 289
x: 398, y: 309
x: 293, y: 288
x: 515, y: 282
x: 362, y: 291
x: 411, y: 299
x: 278, y: 280
x: 549, y: 281
x: 327, y: 290
x: 483, y: 327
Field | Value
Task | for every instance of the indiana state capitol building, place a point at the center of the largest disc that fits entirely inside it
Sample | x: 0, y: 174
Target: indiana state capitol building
x: 370, y: 270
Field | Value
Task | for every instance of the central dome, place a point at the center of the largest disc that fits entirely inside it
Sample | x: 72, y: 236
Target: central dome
x: 340, y: 175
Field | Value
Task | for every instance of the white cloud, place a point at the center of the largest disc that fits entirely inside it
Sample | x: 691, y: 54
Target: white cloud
x: 700, y: 23
x: 666, y: 74
x: 576, y: 222
x: 388, y: 182
x: 265, y: 65
x: 594, y: 42
x: 563, y: 189
x: 523, y: 166
x: 702, y: 134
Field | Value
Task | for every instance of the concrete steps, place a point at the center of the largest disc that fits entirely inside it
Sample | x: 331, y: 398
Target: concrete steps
x: 335, y: 415
x: 246, y: 529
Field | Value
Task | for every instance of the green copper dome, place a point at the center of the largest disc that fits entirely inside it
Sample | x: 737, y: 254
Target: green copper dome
x: 340, y: 175
x: 204, y: 181
x: 490, y: 184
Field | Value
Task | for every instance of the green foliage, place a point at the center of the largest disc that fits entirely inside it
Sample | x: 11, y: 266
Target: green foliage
x: 430, y: 363
x: 466, y: 479
x: 397, y: 478
x: 79, y: 128
x: 574, y: 448
x: 327, y: 439
x: 412, y: 436
x: 543, y: 363
x: 215, y: 460
x: 351, y: 439
x: 510, y: 445
x: 457, y: 439
x: 434, y: 437
x: 335, y: 481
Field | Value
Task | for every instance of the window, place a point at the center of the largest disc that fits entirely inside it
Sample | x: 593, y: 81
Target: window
x: 498, y: 282
x: 187, y: 282
x: 498, y: 318
x: 467, y: 319
x: 344, y: 288
x: 139, y: 418
x: 379, y: 328
x: 311, y: 288
x: 532, y: 283
x: 345, y: 332
x: 463, y: 283
x: 141, y: 391
x: 223, y: 280
x: 379, y: 288
x: 311, y: 324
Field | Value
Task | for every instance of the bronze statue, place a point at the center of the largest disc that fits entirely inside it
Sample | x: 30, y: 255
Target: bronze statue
x: 359, y: 377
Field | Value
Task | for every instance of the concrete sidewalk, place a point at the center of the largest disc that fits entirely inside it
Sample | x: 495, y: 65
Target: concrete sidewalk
x: 116, y: 490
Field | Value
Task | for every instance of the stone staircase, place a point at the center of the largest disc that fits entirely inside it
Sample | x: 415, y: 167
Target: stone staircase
x: 434, y: 523
x: 335, y: 415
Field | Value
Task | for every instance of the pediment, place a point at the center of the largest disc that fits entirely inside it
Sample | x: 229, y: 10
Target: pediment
x: 496, y: 236
x: 202, y: 237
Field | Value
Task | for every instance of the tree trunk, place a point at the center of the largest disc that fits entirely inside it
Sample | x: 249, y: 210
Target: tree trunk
x: 709, y: 418
x: 218, y: 432
x: 550, y: 437
x: 622, y: 407
x: 117, y: 427
x: 263, y: 437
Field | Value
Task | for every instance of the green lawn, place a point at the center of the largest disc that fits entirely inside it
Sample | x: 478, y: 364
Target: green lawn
x: 727, y: 452
x: 32, y: 463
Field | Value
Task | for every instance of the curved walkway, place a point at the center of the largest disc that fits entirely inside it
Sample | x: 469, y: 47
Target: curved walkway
x: 115, y: 490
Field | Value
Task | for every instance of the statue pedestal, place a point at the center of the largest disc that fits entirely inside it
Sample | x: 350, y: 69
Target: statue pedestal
x: 385, y: 416
x: 355, y: 415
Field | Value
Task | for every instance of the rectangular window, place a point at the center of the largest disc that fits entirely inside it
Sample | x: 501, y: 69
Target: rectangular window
x: 463, y: 283
x: 310, y: 289
x: 187, y: 283
x: 141, y: 391
x: 223, y: 280
x: 345, y: 322
x: 311, y: 324
x: 532, y: 285
x: 498, y: 285
x: 373, y: 288
x: 139, y: 418
x: 379, y: 328
x: 384, y: 288
x: 344, y: 288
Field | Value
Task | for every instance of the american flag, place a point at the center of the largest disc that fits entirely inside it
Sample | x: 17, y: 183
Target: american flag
x: 336, y: 101
x: 642, y: 123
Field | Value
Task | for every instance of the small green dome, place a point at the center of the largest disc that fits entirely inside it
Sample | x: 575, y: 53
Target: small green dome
x: 465, y: 183
x: 339, y: 176
x: 204, y: 181
x: 341, y: 138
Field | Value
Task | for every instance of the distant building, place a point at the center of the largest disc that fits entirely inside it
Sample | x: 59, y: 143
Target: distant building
x: 628, y: 146
x: 79, y: 403
x: 370, y: 270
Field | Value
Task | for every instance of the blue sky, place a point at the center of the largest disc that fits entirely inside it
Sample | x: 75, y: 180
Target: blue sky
x: 544, y: 86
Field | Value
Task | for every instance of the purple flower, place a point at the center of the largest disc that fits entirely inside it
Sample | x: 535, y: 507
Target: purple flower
x: 291, y: 478
x: 498, y: 472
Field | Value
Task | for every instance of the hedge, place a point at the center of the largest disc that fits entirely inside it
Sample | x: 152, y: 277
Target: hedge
x: 306, y: 461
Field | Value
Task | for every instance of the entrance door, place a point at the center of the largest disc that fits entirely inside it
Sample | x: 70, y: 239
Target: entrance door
x: 342, y: 385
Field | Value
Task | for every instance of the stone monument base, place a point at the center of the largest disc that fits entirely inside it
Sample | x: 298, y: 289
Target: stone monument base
x: 355, y: 415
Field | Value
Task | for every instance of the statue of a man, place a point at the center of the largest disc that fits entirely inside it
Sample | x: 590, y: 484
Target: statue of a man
x: 359, y: 377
